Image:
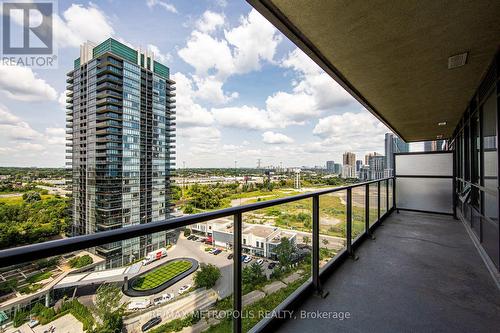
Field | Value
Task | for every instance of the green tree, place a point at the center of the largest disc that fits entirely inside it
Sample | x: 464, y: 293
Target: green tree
x: 31, y: 197
x: 253, y: 275
x: 306, y: 240
x: 176, y: 192
x: 188, y: 209
x: 284, y: 251
x: 325, y: 241
x: 206, y: 276
x: 108, y: 308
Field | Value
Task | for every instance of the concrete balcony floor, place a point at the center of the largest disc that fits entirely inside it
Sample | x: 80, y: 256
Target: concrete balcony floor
x: 422, y: 273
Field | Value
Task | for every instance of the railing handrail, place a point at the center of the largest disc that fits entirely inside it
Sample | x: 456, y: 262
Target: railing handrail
x: 37, y: 251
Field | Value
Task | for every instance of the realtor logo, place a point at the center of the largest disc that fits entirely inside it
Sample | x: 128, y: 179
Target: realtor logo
x: 27, y: 34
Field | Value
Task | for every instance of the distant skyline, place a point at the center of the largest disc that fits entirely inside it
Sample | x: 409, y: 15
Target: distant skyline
x: 244, y: 91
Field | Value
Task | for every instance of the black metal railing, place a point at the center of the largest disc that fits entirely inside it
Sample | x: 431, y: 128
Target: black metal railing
x: 18, y: 255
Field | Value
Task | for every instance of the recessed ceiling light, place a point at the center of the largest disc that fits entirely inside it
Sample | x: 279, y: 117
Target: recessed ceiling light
x: 457, y: 60
x: 442, y: 123
x: 440, y: 136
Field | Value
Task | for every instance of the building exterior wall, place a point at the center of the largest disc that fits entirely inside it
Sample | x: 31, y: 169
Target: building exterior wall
x: 475, y: 142
x: 376, y: 167
x: 330, y: 166
x: 393, y: 144
x: 120, y: 130
x: 349, y: 158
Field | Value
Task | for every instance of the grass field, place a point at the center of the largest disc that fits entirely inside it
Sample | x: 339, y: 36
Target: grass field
x: 15, y: 200
x: 297, y: 215
x: 160, y: 275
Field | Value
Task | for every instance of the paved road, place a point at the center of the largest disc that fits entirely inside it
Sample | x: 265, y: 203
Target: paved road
x: 187, y: 248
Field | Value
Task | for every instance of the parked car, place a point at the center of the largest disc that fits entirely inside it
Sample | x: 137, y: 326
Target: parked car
x: 194, y: 239
x: 230, y: 256
x: 190, y: 237
x: 243, y: 257
x: 139, y: 304
x: 217, y: 251
x: 184, y: 288
x: 271, y: 265
x: 247, y: 259
x: 151, y: 323
x: 32, y: 323
x: 260, y: 261
x: 163, y: 299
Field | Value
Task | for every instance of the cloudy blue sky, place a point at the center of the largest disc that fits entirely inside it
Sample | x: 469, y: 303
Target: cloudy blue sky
x: 244, y: 91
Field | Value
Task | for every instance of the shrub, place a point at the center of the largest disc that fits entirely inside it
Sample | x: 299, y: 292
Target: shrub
x: 187, y: 232
x: 44, y: 263
x: 82, y: 261
x: 207, y: 276
x: 31, y: 197
x: 38, y: 277
x: 19, y: 318
x: 188, y: 209
x: 80, y: 312
x: 31, y: 288
x: 7, y: 286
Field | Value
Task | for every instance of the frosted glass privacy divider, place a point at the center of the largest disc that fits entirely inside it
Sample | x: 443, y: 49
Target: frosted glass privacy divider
x: 424, y: 164
x: 427, y: 194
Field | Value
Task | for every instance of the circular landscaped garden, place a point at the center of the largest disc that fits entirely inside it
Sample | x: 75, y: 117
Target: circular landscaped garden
x: 161, y: 277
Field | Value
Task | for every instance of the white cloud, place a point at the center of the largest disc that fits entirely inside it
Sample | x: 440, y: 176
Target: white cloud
x: 246, y: 117
x: 189, y: 113
x: 255, y: 40
x: 314, y: 93
x: 55, y: 135
x: 242, y: 49
x: 62, y: 99
x: 158, y: 55
x: 79, y: 24
x: 22, y: 84
x: 20, y: 144
x: 295, y: 108
x: 165, y: 5
x: 210, y: 89
x: 209, y: 21
x: 351, y: 131
x: 208, y: 54
x: 275, y: 138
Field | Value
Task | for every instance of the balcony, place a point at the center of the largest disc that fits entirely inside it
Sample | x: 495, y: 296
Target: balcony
x: 388, y: 252
x: 418, y: 251
x: 422, y: 271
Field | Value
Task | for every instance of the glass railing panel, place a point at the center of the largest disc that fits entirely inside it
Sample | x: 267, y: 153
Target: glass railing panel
x: 162, y: 280
x: 358, y: 211
x: 391, y: 194
x: 383, y: 197
x: 332, y: 225
x: 373, y: 197
x: 277, y: 251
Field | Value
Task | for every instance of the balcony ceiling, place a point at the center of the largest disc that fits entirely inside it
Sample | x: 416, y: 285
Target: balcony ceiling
x: 392, y: 56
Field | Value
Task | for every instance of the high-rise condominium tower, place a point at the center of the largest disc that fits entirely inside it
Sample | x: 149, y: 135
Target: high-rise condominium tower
x: 393, y: 144
x: 120, y: 122
x: 349, y: 158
